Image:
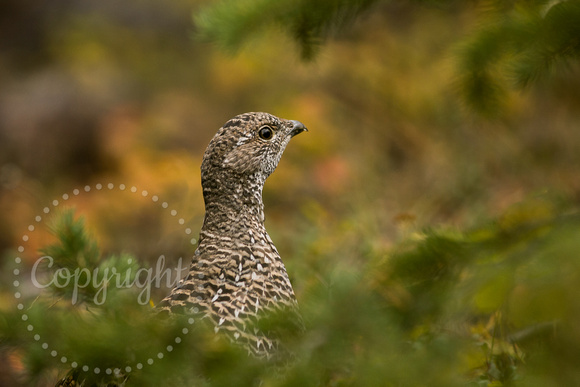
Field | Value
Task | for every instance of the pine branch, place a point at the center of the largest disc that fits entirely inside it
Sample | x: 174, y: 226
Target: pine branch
x: 231, y: 23
x: 518, y: 44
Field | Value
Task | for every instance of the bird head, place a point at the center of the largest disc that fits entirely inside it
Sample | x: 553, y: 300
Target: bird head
x: 248, y: 145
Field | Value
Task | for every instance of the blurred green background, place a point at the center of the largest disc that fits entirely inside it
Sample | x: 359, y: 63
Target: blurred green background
x: 423, y: 226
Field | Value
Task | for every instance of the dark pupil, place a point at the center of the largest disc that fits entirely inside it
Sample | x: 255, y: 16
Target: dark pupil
x: 266, y: 133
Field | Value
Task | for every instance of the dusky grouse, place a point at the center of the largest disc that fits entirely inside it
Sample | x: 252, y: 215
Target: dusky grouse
x: 236, y: 274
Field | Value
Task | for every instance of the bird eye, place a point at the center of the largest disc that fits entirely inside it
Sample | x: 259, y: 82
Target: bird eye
x: 266, y: 133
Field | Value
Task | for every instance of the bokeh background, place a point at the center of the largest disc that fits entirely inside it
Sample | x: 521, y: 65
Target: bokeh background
x: 108, y: 92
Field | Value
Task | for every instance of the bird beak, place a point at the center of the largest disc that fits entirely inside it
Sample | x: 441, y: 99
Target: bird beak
x: 297, y: 128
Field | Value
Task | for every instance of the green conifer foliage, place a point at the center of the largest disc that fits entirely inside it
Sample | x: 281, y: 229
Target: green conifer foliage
x: 517, y: 43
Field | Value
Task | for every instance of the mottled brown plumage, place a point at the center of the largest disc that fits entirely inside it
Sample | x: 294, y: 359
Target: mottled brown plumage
x: 236, y: 274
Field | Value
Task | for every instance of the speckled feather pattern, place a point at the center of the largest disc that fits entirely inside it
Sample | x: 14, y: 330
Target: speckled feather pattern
x: 236, y: 273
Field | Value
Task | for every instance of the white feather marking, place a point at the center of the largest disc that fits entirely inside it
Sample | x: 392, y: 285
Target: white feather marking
x: 242, y: 141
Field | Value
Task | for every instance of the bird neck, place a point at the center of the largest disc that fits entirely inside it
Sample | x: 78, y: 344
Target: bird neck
x: 232, y: 204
